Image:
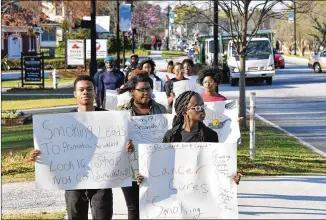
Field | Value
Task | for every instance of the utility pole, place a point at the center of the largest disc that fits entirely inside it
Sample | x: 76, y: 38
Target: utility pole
x: 168, y: 37
x: 118, y: 35
x: 93, y: 64
x: 132, y: 30
x: 295, y: 28
x: 215, y: 33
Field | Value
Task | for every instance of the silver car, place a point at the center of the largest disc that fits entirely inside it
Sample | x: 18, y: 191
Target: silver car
x: 318, y: 62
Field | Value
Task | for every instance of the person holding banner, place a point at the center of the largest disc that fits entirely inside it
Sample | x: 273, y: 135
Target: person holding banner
x: 210, y: 78
x: 140, y: 87
x: 77, y: 201
x: 188, y: 126
x: 187, y: 65
x: 108, y: 79
x: 149, y: 66
x: 168, y: 87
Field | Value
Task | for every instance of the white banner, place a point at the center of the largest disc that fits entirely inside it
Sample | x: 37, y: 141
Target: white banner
x: 222, y: 117
x: 147, y: 129
x: 84, y: 150
x: 101, y: 48
x: 75, y: 52
x: 188, y: 181
x: 165, y: 76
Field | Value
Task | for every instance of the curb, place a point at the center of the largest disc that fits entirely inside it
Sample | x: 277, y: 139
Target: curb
x: 321, y: 153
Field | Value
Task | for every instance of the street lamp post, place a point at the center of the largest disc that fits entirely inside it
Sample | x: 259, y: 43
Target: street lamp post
x: 132, y: 30
x: 167, y: 39
x: 295, y: 28
x: 215, y: 32
x: 118, y: 35
x: 93, y: 64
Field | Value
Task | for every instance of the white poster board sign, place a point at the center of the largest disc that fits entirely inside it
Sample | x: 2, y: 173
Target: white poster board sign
x: 186, y: 85
x: 188, y: 181
x: 164, y: 76
x: 84, y: 150
x: 222, y: 117
x: 160, y: 97
x: 75, y: 52
x: 101, y: 48
x: 147, y: 129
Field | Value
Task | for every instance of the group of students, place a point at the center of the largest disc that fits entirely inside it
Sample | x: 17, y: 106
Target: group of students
x: 187, y: 125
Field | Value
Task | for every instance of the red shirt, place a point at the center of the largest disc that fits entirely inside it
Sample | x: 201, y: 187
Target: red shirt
x: 208, y: 98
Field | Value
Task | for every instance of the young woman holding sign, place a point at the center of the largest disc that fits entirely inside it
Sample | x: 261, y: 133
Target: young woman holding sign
x: 141, y: 103
x: 188, y: 124
x: 168, y: 87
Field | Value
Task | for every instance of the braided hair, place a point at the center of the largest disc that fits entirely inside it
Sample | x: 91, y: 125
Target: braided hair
x: 149, y: 61
x: 181, y: 105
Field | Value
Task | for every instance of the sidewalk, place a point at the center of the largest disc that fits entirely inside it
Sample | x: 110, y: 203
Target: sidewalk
x: 280, y: 197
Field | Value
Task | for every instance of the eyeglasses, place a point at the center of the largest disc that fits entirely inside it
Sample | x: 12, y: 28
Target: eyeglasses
x: 208, y: 82
x: 198, y: 108
x: 143, y: 90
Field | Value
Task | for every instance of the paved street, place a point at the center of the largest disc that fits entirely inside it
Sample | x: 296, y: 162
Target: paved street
x: 258, y: 197
x: 296, y: 101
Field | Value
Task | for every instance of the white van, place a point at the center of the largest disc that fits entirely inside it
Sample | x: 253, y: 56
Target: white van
x: 259, y: 62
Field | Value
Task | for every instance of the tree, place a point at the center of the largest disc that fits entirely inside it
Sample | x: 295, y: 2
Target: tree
x: 144, y: 18
x: 239, y: 13
x: 184, y: 12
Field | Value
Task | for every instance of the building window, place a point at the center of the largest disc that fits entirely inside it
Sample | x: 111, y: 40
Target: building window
x: 49, y: 35
x: 58, y: 8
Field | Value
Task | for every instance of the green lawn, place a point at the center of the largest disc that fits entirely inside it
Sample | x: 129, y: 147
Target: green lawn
x: 19, y: 136
x: 276, y: 154
x: 47, y: 82
x: 43, y: 215
x: 168, y: 53
x: 30, y: 102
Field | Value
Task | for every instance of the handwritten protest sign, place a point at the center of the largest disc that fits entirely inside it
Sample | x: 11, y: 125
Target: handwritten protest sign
x: 84, y: 150
x: 147, y: 129
x: 188, y: 181
x: 222, y: 117
x: 111, y: 99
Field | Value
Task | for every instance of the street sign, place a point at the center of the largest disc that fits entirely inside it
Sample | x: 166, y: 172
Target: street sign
x: 32, y: 69
x: 75, y: 52
x: 291, y: 17
x: 125, y: 17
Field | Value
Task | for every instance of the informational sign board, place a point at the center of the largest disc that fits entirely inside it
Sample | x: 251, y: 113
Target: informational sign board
x: 75, y: 52
x: 101, y: 48
x: 32, y: 69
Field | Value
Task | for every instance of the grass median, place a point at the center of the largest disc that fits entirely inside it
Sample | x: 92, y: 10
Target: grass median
x: 42, y: 215
x: 276, y: 154
x: 31, y: 102
x: 169, y: 54
x: 47, y: 82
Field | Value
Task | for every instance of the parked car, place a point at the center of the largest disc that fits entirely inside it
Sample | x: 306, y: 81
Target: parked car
x: 318, y: 62
x: 278, y: 59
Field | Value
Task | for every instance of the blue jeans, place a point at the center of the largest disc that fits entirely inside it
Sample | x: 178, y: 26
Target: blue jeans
x: 101, y: 202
